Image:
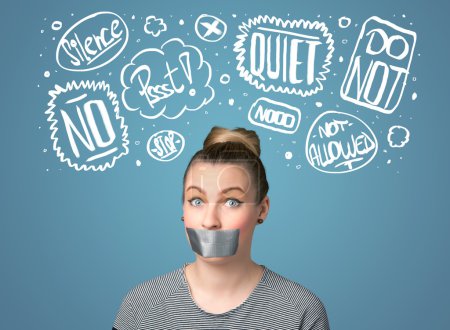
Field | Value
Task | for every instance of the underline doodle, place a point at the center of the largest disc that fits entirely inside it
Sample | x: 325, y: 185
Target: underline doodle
x: 165, y: 145
x: 377, y: 73
x: 92, y: 42
x: 338, y: 142
x: 276, y: 116
x: 210, y: 28
x: 87, y: 130
x: 284, y: 56
x: 167, y: 81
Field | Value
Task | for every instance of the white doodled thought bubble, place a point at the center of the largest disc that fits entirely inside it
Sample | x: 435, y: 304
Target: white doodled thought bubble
x: 394, y: 133
x: 167, y: 81
x: 225, y: 78
x: 344, y: 22
x: 154, y: 26
x: 165, y: 145
x: 210, y: 28
x: 88, y: 131
x: 339, y: 143
x: 276, y: 116
x: 379, y: 66
x: 284, y: 56
x: 92, y: 42
x: 56, y: 25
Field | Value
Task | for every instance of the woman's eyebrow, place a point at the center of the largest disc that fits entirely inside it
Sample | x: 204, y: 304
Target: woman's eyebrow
x: 224, y: 191
x: 233, y: 188
x: 195, y: 187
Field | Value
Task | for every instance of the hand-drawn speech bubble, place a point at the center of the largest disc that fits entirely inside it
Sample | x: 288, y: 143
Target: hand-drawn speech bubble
x: 377, y: 74
x: 88, y: 132
x: 165, y: 145
x: 276, y: 116
x: 339, y: 143
x: 167, y: 81
x: 92, y: 42
x: 284, y: 56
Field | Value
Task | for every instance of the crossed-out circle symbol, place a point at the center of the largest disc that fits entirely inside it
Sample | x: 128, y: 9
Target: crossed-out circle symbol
x: 210, y: 28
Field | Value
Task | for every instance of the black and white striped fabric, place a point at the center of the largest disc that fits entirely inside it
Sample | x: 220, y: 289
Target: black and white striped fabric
x: 165, y: 302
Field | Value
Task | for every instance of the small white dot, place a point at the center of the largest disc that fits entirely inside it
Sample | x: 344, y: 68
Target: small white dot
x: 181, y: 22
x: 288, y: 155
x: 47, y: 74
x: 138, y: 163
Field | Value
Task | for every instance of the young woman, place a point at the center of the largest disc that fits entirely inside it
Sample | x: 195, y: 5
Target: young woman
x: 224, y: 199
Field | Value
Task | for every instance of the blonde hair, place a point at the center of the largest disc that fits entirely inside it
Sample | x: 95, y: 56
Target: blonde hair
x: 221, y: 135
x: 223, y: 145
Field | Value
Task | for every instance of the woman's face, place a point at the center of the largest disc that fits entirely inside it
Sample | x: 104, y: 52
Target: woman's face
x: 222, y: 196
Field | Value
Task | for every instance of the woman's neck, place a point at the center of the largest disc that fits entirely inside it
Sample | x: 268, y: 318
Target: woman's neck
x: 223, y: 278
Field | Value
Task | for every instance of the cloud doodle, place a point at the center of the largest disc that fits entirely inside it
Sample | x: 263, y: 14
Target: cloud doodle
x: 154, y: 26
x: 167, y: 81
x: 398, y: 136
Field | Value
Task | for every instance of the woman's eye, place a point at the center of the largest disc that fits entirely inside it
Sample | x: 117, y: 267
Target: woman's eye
x: 232, y: 202
x: 196, y: 202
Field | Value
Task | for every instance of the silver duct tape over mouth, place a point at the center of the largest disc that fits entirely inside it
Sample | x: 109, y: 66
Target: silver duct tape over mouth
x: 213, y: 243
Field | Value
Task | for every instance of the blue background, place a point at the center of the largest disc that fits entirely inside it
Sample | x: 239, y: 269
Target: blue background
x: 372, y: 244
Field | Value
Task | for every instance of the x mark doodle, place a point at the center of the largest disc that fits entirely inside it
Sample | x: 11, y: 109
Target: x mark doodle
x: 210, y: 28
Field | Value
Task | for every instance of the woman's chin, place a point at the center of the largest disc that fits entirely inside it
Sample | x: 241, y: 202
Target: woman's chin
x: 223, y: 259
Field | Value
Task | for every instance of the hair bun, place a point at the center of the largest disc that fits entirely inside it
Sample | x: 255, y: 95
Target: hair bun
x: 248, y: 138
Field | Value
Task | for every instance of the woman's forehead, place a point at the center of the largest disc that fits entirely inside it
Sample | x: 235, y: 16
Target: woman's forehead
x: 221, y: 176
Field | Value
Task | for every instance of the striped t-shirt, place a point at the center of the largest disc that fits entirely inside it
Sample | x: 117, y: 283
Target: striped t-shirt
x: 165, y: 302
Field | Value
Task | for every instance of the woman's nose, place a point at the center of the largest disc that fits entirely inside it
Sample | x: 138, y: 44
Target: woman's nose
x: 211, y: 218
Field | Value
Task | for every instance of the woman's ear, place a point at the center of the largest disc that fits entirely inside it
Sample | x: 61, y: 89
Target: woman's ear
x: 264, y: 208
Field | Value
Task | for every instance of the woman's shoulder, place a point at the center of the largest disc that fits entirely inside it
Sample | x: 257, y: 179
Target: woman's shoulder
x: 294, y: 292
x: 157, y: 288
